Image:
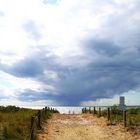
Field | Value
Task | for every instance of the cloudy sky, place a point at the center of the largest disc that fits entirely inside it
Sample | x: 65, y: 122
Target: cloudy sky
x: 69, y: 52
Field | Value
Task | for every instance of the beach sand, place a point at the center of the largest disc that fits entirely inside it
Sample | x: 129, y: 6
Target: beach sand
x: 84, y: 127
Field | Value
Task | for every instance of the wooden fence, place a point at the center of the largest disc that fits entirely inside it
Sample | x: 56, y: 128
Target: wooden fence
x: 37, y: 120
x: 114, y: 115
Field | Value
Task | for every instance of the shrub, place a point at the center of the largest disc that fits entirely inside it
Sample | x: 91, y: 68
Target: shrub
x: 134, y: 110
x: 9, y: 109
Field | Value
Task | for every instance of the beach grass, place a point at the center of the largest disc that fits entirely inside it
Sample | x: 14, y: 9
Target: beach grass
x: 117, y: 116
x: 132, y: 116
x: 15, y: 124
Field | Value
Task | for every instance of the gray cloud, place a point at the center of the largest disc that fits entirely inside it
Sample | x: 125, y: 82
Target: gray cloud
x: 24, y: 68
x: 112, y: 73
x: 113, y: 65
x: 102, y: 47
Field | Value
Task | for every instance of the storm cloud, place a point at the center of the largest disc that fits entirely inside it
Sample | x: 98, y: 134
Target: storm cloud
x: 88, y: 55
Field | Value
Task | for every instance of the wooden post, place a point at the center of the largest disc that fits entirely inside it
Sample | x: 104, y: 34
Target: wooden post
x: 89, y: 109
x: 122, y: 115
x: 43, y: 113
x: 124, y: 118
x: 32, y: 128
x: 48, y: 108
x: 99, y: 112
x: 94, y: 111
x: 85, y: 110
x: 45, y: 110
x: 108, y: 114
x: 51, y: 109
x: 39, y: 119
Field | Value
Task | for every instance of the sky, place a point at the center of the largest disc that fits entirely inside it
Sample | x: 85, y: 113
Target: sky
x: 69, y: 52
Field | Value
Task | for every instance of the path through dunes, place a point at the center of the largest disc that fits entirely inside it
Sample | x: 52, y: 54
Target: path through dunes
x: 83, y: 127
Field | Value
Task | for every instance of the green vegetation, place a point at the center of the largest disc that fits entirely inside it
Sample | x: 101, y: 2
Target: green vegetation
x: 116, y: 115
x: 132, y: 116
x: 9, y: 109
x: 15, y: 123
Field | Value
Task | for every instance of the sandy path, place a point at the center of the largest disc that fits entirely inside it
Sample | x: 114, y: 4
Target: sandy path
x: 83, y: 127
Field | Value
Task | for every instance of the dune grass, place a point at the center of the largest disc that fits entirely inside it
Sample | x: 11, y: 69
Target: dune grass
x: 15, y: 124
x: 116, y: 116
x: 132, y: 116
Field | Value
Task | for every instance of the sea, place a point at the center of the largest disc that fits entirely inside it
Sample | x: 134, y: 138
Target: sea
x: 77, y: 109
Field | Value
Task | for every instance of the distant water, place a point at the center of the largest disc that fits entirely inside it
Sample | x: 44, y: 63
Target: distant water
x: 78, y: 109
x: 69, y: 109
x: 74, y: 109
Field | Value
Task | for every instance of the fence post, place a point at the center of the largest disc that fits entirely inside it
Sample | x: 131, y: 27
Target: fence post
x: 99, y: 112
x: 85, y: 110
x: 82, y: 110
x: 124, y: 118
x: 43, y: 113
x: 89, y: 109
x: 46, y: 109
x: 94, y: 111
x: 39, y: 119
x: 108, y: 113
x: 53, y: 110
x: 32, y: 128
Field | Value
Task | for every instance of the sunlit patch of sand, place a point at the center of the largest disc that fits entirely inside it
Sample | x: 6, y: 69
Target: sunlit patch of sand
x: 83, y: 127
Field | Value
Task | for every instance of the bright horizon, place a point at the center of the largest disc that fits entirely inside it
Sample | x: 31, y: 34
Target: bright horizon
x: 69, y: 52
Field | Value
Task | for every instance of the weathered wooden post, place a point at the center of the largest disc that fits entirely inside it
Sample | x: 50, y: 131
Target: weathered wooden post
x: 89, y: 109
x: 39, y: 119
x: 51, y: 110
x: 122, y: 115
x: 48, y: 108
x: 94, y: 110
x: 85, y: 110
x: 124, y: 118
x: 43, y: 113
x: 32, y: 128
x: 99, y: 112
x: 108, y: 113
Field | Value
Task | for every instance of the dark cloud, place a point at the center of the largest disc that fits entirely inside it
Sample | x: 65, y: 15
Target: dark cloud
x: 31, y: 95
x: 102, y: 47
x: 102, y: 78
x: 32, y: 65
x: 113, y: 62
x: 24, y: 68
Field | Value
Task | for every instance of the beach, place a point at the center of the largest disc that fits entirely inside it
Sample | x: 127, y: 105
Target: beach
x: 84, y: 127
